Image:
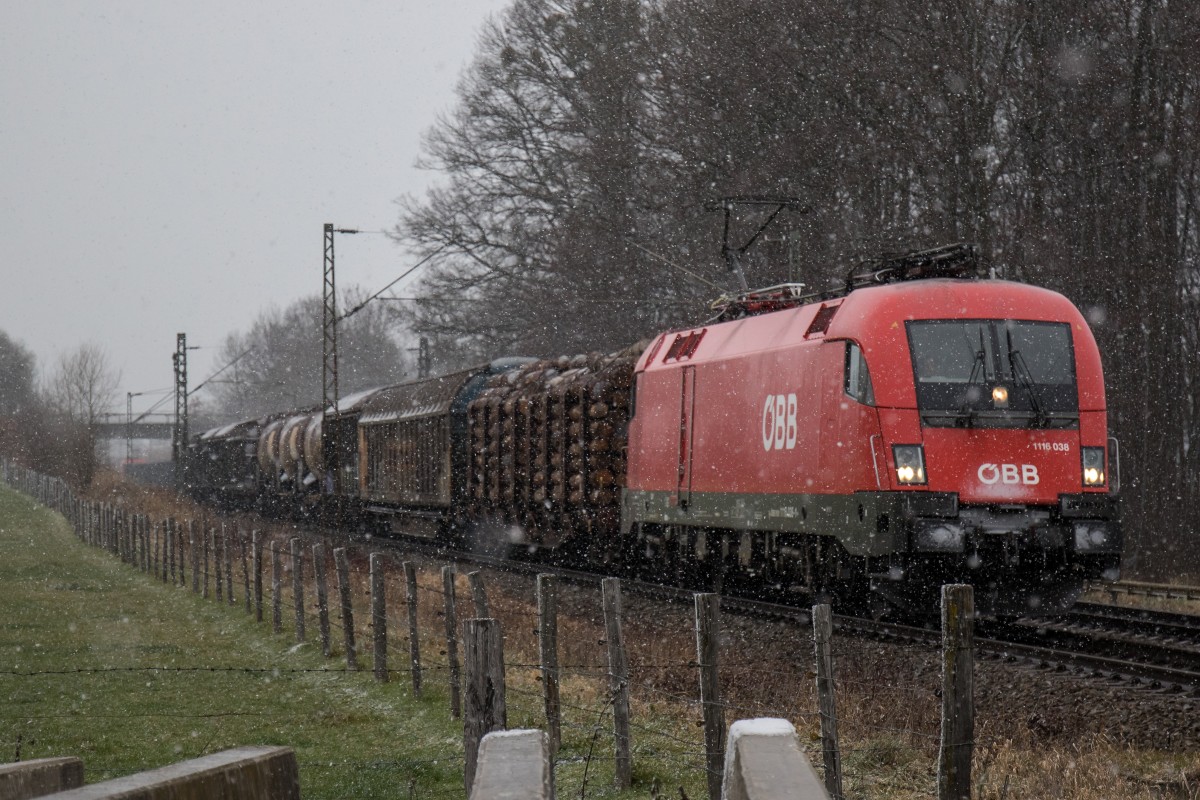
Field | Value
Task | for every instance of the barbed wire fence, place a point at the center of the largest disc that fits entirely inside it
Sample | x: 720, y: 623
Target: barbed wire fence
x: 412, y: 617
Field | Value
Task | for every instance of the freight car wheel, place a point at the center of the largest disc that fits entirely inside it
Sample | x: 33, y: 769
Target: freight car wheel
x: 488, y: 536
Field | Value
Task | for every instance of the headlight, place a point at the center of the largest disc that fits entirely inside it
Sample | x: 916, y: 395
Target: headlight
x: 1093, y: 466
x: 910, y: 463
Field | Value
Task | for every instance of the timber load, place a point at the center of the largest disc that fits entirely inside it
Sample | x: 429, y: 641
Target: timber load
x: 549, y: 443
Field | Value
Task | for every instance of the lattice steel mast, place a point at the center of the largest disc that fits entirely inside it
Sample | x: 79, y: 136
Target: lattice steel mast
x: 180, y: 434
x: 329, y: 364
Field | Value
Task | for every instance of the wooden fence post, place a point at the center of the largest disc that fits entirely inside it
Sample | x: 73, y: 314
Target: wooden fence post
x: 822, y: 616
x: 322, y: 597
x: 276, y: 588
x: 170, y: 540
x: 298, y: 587
x: 485, y: 709
x: 478, y: 594
x: 195, y: 554
x: 256, y: 559
x: 547, y: 603
x: 145, y: 543
x: 378, y: 617
x: 205, y: 534
x: 618, y: 677
x: 228, y: 564
x: 242, y: 544
x: 708, y: 641
x: 450, y: 614
x: 219, y: 562
x: 414, y: 638
x: 342, y: 563
x: 958, y: 710
x: 181, y: 554
x: 157, y: 545
x: 178, y: 553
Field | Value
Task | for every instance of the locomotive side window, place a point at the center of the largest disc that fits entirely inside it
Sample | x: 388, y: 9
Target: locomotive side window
x: 994, y: 373
x: 858, y: 378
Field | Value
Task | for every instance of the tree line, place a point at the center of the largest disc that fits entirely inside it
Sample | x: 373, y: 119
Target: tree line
x: 583, y: 166
x: 51, y: 425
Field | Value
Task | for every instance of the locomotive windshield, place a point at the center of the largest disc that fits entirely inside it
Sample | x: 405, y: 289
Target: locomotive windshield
x: 994, y: 373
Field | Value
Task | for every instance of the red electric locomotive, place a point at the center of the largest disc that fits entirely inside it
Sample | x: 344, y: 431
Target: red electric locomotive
x: 919, y: 428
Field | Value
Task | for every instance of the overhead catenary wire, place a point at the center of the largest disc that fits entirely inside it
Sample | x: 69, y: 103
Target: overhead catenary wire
x: 213, y: 376
x: 673, y: 265
x: 589, y: 298
x: 402, y: 276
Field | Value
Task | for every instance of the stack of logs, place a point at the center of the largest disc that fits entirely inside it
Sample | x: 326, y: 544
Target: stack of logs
x: 548, y: 443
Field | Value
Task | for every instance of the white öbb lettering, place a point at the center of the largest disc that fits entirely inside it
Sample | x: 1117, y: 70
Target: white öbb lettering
x: 992, y: 474
x: 779, y: 422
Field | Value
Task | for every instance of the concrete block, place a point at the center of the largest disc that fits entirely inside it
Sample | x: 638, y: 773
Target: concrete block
x: 25, y: 779
x: 244, y: 773
x: 763, y: 761
x: 514, y: 765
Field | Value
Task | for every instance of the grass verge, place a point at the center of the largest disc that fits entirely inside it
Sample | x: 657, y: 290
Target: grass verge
x: 103, y: 662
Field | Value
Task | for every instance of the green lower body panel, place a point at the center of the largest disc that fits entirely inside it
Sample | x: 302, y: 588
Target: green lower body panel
x: 866, y: 523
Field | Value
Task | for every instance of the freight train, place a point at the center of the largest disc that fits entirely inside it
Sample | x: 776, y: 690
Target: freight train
x: 920, y: 425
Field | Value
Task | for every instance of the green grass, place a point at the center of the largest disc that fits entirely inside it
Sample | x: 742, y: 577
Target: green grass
x: 103, y: 662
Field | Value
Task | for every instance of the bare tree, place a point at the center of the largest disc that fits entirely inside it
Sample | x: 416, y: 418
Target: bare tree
x: 83, y: 385
x: 277, y: 362
x: 531, y: 238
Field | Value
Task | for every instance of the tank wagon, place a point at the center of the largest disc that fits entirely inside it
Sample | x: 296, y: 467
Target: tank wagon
x: 919, y: 426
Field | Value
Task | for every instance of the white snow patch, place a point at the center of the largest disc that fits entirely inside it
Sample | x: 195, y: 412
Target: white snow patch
x: 762, y: 726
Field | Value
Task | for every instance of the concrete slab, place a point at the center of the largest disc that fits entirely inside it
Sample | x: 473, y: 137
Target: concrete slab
x: 244, y: 773
x: 42, y: 776
x: 514, y: 765
x: 763, y: 761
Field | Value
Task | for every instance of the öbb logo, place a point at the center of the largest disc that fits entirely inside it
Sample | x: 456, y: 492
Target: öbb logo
x: 779, y: 422
x: 991, y: 474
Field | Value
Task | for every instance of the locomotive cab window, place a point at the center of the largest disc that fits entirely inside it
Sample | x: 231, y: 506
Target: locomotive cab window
x: 858, y: 378
x: 994, y: 373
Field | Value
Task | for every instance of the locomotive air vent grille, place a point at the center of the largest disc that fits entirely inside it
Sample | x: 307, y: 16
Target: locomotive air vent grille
x: 821, y: 321
x: 684, y: 346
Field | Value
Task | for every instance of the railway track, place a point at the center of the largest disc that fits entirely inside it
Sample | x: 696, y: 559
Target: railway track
x: 1117, y: 645
x: 1161, y: 626
x: 1160, y: 591
x: 1132, y: 647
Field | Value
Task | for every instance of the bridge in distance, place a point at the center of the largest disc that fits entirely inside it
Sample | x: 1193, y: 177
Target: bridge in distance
x: 147, y: 426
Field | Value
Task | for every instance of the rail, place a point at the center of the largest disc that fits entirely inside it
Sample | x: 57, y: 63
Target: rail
x: 1164, y: 591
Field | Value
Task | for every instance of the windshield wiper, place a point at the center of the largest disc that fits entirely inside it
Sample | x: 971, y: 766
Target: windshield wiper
x: 1025, y: 378
x: 967, y: 410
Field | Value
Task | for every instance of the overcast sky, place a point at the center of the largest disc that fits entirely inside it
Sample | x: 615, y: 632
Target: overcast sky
x: 168, y: 166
